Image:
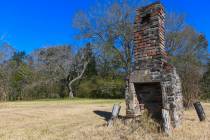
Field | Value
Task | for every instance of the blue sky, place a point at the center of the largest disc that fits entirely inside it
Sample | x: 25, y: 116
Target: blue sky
x: 31, y: 24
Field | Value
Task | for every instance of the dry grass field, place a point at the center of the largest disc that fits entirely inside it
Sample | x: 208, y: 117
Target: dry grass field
x: 84, y: 119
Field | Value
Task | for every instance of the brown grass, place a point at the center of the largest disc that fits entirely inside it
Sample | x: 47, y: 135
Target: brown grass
x: 66, y: 120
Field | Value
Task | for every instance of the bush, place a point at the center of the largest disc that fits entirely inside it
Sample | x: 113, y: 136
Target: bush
x: 42, y: 90
x: 97, y: 87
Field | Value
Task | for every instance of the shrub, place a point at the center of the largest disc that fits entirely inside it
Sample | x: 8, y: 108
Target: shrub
x: 97, y: 87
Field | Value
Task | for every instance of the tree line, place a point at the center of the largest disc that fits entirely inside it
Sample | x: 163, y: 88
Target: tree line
x: 98, y: 69
x: 55, y: 72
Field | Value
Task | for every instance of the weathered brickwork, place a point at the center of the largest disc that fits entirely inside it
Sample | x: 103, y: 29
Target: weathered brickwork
x: 149, y: 36
x: 154, y: 84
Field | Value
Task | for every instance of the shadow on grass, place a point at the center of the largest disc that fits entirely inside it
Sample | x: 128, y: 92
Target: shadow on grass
x: 106, y: 115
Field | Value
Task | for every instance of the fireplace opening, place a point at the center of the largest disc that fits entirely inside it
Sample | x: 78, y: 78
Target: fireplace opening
x: 150, y: 97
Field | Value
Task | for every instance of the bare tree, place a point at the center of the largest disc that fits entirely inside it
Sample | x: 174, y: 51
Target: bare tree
x: 188, y: 52
x: 55, y: 61
x: 111, y: 28
x: 53, y: 65
x: 6, y: 52
x: 61, y: 65
x: 78, y: 68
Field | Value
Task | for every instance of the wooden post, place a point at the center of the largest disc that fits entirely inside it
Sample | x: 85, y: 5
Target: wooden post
x: 115, y: 112
x: 166, y: 121
x: 200, y: 111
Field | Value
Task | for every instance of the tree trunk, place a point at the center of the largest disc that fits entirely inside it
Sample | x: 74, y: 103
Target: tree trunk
x: 71, y: 94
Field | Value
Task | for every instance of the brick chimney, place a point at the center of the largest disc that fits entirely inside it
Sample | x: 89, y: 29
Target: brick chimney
x: 149, y: 37
x: 154, y: 85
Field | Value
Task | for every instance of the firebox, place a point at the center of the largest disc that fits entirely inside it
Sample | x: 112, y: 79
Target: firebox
x: 154, y: 84
x: 149, y: 96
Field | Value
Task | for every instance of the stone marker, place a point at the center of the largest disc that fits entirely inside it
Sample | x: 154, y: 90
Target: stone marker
x: 115, y: 113
x: 166, y: 121
x: 200, y: 111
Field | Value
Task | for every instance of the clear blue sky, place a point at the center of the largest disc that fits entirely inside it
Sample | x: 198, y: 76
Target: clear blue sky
x: 31, y: 24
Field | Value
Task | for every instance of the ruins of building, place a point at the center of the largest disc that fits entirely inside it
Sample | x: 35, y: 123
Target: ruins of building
x: 154, y: 84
